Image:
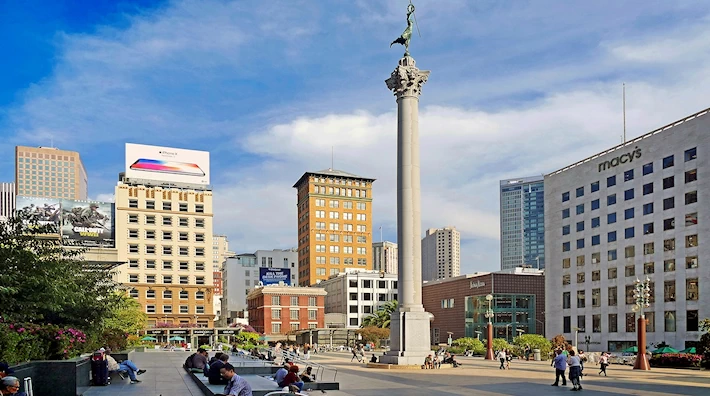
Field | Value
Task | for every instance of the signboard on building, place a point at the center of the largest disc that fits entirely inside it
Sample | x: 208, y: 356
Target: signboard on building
x: 477, y: 284
x: 227, y: 331
x: 155, y: 332
x: 87, y: 223
x: 167, y: 164
x: 179, y: 332
x: 203, y: 332
x: 44, y: 210
x: 272, y: 276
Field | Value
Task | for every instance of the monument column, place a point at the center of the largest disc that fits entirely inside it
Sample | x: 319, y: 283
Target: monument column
x: 410, y: 336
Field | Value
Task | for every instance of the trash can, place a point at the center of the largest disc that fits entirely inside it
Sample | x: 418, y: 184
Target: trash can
x: 536, y: 353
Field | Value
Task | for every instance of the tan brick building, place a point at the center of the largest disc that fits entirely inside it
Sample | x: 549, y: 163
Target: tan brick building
x: 334, y: 224
x: 164, y: 235
x: 278, y: 310
x: 49, y: 172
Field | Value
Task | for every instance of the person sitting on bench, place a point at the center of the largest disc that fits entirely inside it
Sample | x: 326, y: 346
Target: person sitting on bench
x: 125, y: 367
x: 215, y: 377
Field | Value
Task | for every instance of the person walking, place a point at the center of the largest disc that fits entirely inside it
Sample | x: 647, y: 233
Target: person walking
x: 502, y: 358
x: 560, y: 364
x: 603, y: 363
x: 582, y: 360
x: 575, y: 370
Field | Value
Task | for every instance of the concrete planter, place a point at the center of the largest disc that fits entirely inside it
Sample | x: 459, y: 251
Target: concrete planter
x: 57, y: 377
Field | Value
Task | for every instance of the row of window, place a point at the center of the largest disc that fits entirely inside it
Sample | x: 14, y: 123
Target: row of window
x: 368, y: 283
x: 276, y: 300
x: 320, y: 225
x: 336, y: 238
x: 168, y: 309
x: 166, y: 265
x: 691, y: 219
x: 336, y: 249
x: 167, y: 279
x: 320, y: 214
x: 629, y: 232
x: 668, y: 203
x: 276, y: 327
x: 166, y: 221
x: 669, y: 245
x: 669, y: 322
x: 166, y: 235
x: 166, y: 205
x: 168, y: 294
x: 343, y: 192
x: 334, y: 203
x: 167, y: 250
x: 371, y: 297
x: 336, y: 261
x: 294, y: 314
x: 647, y: 169
x: 47, y: 162
x: 691, y: 262
x: 669, y: 294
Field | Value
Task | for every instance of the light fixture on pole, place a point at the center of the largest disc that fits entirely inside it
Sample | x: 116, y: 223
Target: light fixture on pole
x: 489, y: 316
x: 642, y: 296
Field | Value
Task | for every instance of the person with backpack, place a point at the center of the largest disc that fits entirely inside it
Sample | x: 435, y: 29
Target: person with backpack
x: 197, y: 361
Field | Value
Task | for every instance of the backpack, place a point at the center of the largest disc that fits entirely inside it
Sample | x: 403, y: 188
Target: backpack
x: 188, y: 361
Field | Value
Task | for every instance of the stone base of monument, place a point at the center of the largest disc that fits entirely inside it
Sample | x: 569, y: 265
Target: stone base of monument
x: 409, y: 332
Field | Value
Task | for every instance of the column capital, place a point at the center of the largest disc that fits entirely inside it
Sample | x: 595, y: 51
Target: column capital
x: 407, y: 79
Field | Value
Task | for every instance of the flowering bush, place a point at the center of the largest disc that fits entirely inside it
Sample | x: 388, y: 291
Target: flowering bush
x: 22, y: 342
x: 676, y: 360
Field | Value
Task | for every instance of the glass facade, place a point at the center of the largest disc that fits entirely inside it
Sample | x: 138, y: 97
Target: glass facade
x: 512, y: 312
x: 522, y: 223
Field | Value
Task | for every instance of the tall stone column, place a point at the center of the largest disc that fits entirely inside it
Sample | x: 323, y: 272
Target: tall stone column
x: 410, y: 336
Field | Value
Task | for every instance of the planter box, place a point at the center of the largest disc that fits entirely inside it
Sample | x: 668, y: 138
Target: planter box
x: 57, y: 377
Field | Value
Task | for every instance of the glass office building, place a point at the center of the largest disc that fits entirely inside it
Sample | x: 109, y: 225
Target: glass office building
x: 522, y: 223
x: 514, y: 315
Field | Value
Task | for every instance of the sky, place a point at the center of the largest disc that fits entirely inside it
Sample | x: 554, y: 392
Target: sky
x: 517, y: 88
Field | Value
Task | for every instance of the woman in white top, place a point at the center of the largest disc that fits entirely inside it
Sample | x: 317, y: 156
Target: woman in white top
x: 604, y: 363
x: 502, y: 357
x: 575, y: 370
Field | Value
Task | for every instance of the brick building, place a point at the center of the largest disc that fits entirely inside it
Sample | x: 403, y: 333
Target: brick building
x: 278, y: 310
x: 459, y: 304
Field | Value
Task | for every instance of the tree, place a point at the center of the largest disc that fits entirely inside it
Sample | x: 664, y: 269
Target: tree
x: 46, y: 282
x: 374, y: 334
x: 535, y: 341
x: 704, y: 345
x: 559, y: 341
x: 471, y: 344
x: 381, y: 318
x: 126, y: 315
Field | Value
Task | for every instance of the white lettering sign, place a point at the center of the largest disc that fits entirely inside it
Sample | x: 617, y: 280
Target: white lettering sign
x: 477, y: 284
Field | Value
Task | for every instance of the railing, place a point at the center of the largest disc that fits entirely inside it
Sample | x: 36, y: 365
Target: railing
x: 319, y: 369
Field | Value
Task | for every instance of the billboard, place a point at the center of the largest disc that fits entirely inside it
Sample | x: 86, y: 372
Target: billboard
x: 87, y: 223
x: 272, y: 276
x: 45, y: 210
x: 167, y: 164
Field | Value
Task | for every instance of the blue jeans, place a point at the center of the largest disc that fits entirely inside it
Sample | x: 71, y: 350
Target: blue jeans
x: 130, y: 368
x: 299, y: 385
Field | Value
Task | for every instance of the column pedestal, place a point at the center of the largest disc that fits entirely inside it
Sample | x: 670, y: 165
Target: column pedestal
x: 489, y: 342
x: 641, y: 358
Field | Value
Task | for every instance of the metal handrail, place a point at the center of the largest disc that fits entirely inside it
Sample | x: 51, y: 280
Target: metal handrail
x: 319, y: 368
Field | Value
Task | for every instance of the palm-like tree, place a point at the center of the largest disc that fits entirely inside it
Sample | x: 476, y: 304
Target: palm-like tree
x: 381, y: 318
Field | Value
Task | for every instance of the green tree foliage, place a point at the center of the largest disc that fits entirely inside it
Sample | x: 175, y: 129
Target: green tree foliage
x: 381, y: 318
x: 374, y: 334
x: 45, y: 282
x: 500, y: 343
x: 126, y: 315
x: 247, y: 337
x: 704, y: 347
x: 535, y: 341
x: 470, y: 344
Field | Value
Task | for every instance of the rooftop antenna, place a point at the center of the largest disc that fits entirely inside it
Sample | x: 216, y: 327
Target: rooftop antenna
x: 624, y: 111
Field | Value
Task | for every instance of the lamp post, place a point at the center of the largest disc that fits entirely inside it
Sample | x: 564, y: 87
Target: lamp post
x: 587, y: 340
x: 642, y: 294
x: 506, y: 331
x: 489, y: 316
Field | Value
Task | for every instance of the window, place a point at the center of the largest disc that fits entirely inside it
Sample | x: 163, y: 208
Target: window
x: 611, y: 218
x: 275, y: 300
x: 611, y: 236
x: 630, y: 322
x: 182, y: 207
x: 650, y: 322
x: 630, y: 270
x: 184, y: 309
x: 199, y: 266
x: 596, y: 276
x: 566, y: 324
x: 613, y: 326
x: 447, y: 303
x: 595, y: 222
x: 167, y: 294
x: 580, y: 243
x: 579, y: 192
x: 629, y: 194
x: 150, y: 293
x: 691, y: 154
x: 596, y: 297
x: 669, y: 265
x: 648, y: 268
x: 691, y: 176
x: 167, y: 250
x: 275, y: 313
x: 648, y: 188
x: 566, y: 279
x: 630, y: 300
x: 691, y: 323
x: 150, y: 204
x: 595, y: 204
x: 611, y: 255
x: 691, y: 219
x: 200, y: 223
x: 611, y: 273
x: 668, y: 182
x: 150, y: 219
x: 312, y: 301
x: 691, y: 289
x: 580, y: 209
x: 133, y: 218
x: 629, y: 175
x: 150, y: 309
x: 184, y: 280
x: 199, y: 208
x: 629, y: 232
x: 668, y: 162
x: 167, y: 235
x: 629, y: 213
x: 611, y: 181
x: 183, y: 295
x: 183, y: 222
x: 200, y: 252
x: 691, y: 197
x: 293, y: 314
x: 566, y: 300
x: 133, y: 263
x: 133, y: 293
x: 580, y: 226
x: 133, y: 203
x: 691, y: 241
x: 596, y: 258
x: 669, y: 317
x: 581, y: 322
x: 691, y: 262
x: 565, y: 263
x: 276, y: 328
x: 612, y: 291
x: 595, y: 186
x: 199, y: 237
x: 565, y: 213
x: 580, y: 299
x: 648, y: 228
x: 669, y: 291
x: 611, y: 199
x: 133, y: 234
x: 150, y: 278
x: 595, y: 240
x: 167, y: 220
x: 167, y: 205
x: 580, y: 261
x: 199, y: 295
x: 647, y: 169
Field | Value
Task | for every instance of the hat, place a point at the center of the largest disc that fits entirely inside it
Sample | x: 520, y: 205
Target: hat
x: 5, y: 368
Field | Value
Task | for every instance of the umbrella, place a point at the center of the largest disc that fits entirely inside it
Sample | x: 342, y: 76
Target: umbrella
x: 176, y: 338
x: 149, y: 338
x: 689, y: 350
x: 665, y: 350
x: 632, y: 349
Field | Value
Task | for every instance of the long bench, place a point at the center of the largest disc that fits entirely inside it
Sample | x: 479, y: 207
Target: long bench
x: 260, y: 384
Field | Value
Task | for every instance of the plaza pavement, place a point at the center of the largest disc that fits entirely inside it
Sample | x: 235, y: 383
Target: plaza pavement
x: 166, y: 377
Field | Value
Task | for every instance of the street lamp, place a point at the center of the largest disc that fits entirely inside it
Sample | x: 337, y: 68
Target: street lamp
x: 642, y: 295
x: 506, y: 330
x: 489, y: 316
x: 576, y: 337
x: 587, y: 340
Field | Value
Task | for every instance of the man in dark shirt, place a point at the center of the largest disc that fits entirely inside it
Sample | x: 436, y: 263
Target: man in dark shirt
x: 199, y: 360
x: 215, y: 377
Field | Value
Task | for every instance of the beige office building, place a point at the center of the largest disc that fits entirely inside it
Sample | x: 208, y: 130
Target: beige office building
x: 441, y: 254
x: 49, y: 172
x: 164, y: 235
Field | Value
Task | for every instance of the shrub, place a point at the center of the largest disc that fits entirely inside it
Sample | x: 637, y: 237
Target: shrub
x: 456, y: 350
x: 500, y: 343
x: 206, y: 347
x: 536, y: 342
x: 20, y: 342
x: 676, y: 360
x: 472, y: 344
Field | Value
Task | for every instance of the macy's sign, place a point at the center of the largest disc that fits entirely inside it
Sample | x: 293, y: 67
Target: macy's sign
x: 477, y: 284
x: 622, y: 159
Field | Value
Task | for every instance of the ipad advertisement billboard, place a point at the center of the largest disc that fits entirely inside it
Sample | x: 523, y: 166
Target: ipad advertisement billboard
x: 167, y: 164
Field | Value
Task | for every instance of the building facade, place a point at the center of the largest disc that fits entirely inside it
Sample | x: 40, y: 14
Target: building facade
x: 7, y: 200
x: 441, y: 254
x: 240, y: 275
x: 334, y: 224
x: 636, y: 210
x: 385, y: 257
x: 49, y: 172
x: 164, y: 236
x: 220, y: 253
x: 278, y: 310
x: 459, y: 304
x: 358, y: 294
x: 522, y: 223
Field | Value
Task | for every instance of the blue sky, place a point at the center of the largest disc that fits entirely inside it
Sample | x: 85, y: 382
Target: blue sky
x: 517, y: 88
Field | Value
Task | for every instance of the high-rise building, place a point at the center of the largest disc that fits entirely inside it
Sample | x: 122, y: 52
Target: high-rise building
x: 49, y: 172
x: 385, y: 257
x: 441, y: 254
x: 634, y: 211
x: 334, y: 224
x: 7, y: 200
x: 522, y: 223
x: 220, y: 253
